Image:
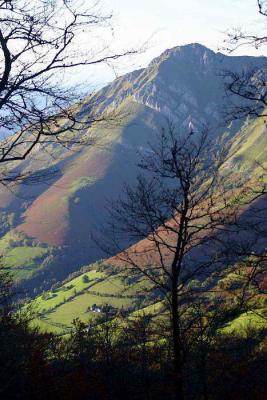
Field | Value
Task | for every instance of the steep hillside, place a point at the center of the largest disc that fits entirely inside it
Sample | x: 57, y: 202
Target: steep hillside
x: 59, y: 216
x: 108, y: 285
x: 89, y: 296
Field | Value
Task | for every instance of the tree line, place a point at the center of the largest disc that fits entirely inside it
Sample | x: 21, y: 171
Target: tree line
x: 125, y: 357
x: 197, y: 227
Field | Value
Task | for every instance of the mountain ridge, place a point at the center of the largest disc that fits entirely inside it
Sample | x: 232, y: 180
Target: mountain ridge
x: 183, y: 84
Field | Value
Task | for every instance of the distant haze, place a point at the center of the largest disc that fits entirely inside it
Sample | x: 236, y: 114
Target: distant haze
x: 165, y: 24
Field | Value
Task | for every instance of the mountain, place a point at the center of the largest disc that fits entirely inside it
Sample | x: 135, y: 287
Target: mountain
x: 104, y: 284
x: 46, y: 230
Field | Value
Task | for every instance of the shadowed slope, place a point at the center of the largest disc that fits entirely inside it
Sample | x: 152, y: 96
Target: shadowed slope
x: 184, y: 84
x: 68, y: 211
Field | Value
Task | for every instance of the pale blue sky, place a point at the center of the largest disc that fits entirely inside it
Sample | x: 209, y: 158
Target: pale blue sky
x: 169, y: 23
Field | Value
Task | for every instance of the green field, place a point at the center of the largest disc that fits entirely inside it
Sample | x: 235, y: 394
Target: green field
x: 55, y: 298
x: 23, y: 261
x: 23, y: 257
x: 246, y: 322
x: 58, y: 308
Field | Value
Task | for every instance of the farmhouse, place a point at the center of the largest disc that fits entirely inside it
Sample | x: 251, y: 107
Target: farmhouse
x: 96, y: 309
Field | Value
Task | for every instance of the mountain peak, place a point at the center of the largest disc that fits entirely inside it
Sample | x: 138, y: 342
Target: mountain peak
x: 193, y: 47
x: 184, y: 84
x: 184, y: 80
x: 189, y: 50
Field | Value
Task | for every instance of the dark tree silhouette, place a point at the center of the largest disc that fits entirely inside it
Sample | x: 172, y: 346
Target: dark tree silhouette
x: 187, y: 215
x: 40, y: 42
x: 247, y: 89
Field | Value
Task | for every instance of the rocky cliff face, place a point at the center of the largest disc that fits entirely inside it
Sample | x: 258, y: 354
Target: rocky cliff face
x: 183, y: 83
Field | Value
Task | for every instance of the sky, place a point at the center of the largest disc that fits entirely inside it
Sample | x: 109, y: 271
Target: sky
x: 162, y: 24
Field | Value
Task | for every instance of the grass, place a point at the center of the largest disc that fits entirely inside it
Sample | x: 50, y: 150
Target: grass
x: 23, y: 260
x: 247, y: 321
x: 57, y: 309
x: 78, y: 307
x: 153, y: 309
x: 23, y: 257
x: 250, y: 146
x: 110, y: 285
x: 45, y: 326
x: 6, y: 240
x: 63, y: 316
x: 67, y: 291
x: 74, y: 299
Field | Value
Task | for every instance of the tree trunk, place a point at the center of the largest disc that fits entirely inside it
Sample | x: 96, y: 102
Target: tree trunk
x: 177, y: 362
x: 203, y: 373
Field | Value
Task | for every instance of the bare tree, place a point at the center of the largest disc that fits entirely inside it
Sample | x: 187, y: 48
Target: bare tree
x: 40, y: 42
x: 186, y: 213
x: 237, y: 37
x: 247, y: 89
x: 247, y: 93
x: 248, y: 99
